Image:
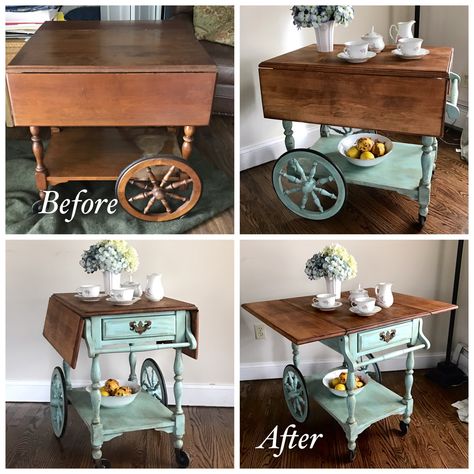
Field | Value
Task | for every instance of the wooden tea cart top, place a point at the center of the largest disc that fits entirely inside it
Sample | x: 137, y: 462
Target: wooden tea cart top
x: 437, y: 64
x: 295, y: 319
x: 112, y: 46
x: 64, y: 322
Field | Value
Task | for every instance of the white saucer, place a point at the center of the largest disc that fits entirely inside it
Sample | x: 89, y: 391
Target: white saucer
x: 122, y: 303
x: 88, y: 299
x: 424, y: 52
x: 345, y: 57
x: 353, y: 309
x: 331, y: 308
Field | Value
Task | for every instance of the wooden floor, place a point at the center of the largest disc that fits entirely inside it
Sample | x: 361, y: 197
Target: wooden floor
x: 436, y: 438
x: 367, y: 210
x: 30, y: 442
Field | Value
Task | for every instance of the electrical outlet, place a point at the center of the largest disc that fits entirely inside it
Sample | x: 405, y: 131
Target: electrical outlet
x: 259, y: 332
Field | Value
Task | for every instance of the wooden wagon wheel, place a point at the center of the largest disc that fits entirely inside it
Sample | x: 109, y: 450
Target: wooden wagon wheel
x: 58, y: 402
x: 158, y: 189
x: 296, y: 394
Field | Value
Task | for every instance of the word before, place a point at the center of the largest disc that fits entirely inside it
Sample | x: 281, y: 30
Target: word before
x: 302, y: 442
x: 86, y: 206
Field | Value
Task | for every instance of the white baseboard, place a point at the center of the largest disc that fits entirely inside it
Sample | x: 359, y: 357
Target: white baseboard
x: 193, y: 394
x: 274, y: 370
x: 254, y: 155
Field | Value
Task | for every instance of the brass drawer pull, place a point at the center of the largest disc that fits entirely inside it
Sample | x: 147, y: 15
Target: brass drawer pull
x: 141, y: 327
x: 388, y: 336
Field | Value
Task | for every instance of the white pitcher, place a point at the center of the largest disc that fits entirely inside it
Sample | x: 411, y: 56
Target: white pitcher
x: 154, y: 287
x: 402, y: 30
x: 383, y: 293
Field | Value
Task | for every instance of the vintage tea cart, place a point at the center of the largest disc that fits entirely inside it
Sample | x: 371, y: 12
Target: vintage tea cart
x: 363, y: 342
x: 107, y: 329
x: 385, y: 93
x: 92, y: 83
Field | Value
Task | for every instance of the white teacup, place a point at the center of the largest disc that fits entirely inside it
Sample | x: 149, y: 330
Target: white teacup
x: 122, y: 294
x: 359, y: 293
x: 325, y: 300
x: 409, y: 46
x: 89, y: 291
x: 356, y: 49
x: 364, y: 304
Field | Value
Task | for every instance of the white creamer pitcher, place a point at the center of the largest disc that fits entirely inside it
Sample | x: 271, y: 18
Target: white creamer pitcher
x: 383, y: 293
x: 154, y: 287
x: 401, y: 30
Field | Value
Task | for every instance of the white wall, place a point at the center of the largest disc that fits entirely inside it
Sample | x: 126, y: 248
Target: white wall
x: 200, y: 272
x: 267, y: 32
x: 275, y: 269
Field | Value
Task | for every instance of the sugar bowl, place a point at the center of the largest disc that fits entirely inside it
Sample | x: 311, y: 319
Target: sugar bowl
x: 375, y: 40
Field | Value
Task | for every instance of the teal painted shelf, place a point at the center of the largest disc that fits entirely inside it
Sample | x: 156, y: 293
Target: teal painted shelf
x: 144, y: 413
x: 374, y: 403
x: 400, y: 172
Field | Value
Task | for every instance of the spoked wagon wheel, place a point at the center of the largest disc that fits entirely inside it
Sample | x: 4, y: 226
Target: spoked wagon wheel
x: 296, y: 395
x: 158, y: 189
x: 309, y: 184
x: 152, y: 381
x: 372, y: 369
x: 58, y: 402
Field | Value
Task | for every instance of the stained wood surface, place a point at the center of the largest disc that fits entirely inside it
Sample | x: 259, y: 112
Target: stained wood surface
x: 436, y: 438
x: 112, y: 99
x: 209, y: 441
x: 436, y: 65
x: 63, y: 329
x: 113, y: 46
x: 92, y: 154
x: 383, y: 93
x: 366, y: 210
x: 295, y: 319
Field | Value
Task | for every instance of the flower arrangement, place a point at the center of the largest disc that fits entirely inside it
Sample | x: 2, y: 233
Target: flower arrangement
x: 306, y: 16
x: 333, y: 262
x: 115, y: 256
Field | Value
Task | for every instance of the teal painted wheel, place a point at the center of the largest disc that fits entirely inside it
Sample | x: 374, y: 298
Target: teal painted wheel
x: 372, y: 369
x: 152, y: 381
x: 296, y: 395
x: 58, y: 402
x: 309, y: 184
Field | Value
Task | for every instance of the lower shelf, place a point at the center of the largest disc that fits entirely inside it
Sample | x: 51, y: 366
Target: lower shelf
x: 144, y: 413
x: 101, y: 153
x: 374, y: 403
x: 400, y: 172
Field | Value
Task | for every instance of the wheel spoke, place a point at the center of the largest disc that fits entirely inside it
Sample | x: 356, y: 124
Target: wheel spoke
x: 291, y: 179
x: 143, y: 195
x: 325, y: 193
x: 167, y: 176
x: 177, y: 197
x: 166, y: 205
x: 150, y: 203
x: 151, y: 176
x: 291, y: 191
x: 326, y: 180
x: 304, y: 200
x: 317, y: 202
x: 140, y: 184
x: 179, y: 184
x: 299, y: 168
x: 312, y: 172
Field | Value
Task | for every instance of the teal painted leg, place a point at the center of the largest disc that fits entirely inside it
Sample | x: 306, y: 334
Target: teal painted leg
x: 289, y: 140
x: 132, y: 361
x: 178, y: 395
x: 407, y: 398
x: 324, y: 131
x: 351, y: 404
x: 424, y: 189
x: 435, y: 151
x: 67, y: 374
x: 296, y: 354
x: 96, y: 428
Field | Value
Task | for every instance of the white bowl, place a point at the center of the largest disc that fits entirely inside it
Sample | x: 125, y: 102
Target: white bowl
x: 339, y: 393
x: 351, y: 140
x: 118, y: 402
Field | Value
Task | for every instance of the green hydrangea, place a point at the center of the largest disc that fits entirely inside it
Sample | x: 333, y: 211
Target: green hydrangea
x: 334, y: 261
x: 115, y: 256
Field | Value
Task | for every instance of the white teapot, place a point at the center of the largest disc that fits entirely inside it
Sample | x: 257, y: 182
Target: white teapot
x: 154, y: 287
x: 375, y: 40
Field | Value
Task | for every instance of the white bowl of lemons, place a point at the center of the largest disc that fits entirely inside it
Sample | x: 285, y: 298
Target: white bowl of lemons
x: 336, y: 382
x: 365, y: 149
x: 116, y: 394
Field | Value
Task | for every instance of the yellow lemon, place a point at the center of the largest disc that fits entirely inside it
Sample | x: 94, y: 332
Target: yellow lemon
x: 378, y: 149
x: 359, y: 384
x: 367, y: 155
x: 341, y: 387
x: 104, y: 392
x: 353, y: 152
x: 334, y: 382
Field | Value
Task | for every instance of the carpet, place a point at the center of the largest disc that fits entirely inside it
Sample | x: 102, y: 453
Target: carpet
x: 21, y: 193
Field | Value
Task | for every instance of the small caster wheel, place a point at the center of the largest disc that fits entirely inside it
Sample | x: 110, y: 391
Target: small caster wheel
x: 352, y: 455
x: 421, y: 220
x: 403, y: 428
x: 103, y: 464
x: 182, y: 458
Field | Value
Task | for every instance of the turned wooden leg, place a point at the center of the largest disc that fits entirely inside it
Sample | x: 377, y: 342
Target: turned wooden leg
x: 40, y: 171
x: 188, y: 138
x: 424, y: 190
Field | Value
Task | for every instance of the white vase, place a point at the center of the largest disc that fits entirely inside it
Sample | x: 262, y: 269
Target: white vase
x: 333, y: 285
x: 325, y: 37
x: 111, y: 282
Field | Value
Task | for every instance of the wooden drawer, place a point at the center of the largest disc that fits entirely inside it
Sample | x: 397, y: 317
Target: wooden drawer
x: 161, y: 327
x: 384, y: 338
x: 111, y: 99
